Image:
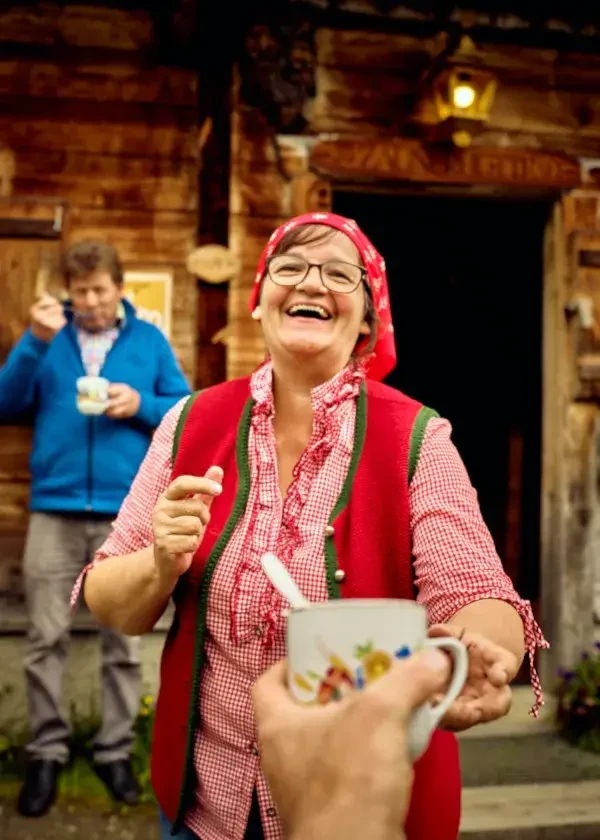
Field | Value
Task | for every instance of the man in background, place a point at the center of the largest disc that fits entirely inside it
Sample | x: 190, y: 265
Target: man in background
x: 82, y: 465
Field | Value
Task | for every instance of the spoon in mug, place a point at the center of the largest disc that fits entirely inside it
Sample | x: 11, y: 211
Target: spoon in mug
x: 283, y: 582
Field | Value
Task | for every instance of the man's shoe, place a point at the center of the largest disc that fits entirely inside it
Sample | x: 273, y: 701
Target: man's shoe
x: 118, y: 778
x: 40, y: 787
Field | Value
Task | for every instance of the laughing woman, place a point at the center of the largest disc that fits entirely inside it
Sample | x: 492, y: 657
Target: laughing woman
x: 356, y: 487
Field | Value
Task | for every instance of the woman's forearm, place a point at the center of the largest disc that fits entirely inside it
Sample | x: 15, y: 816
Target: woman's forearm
x: 126, y: 593
x: 498, y: 621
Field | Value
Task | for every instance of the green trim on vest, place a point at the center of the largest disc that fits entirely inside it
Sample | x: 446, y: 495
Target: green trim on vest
x: 239, y: 506
x: 215, y: 555
x: 181, y: 423
x: 360, y: 431
x: 416, y: 438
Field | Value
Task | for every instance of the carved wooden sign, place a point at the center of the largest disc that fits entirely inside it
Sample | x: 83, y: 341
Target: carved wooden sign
x: 410, y: 160
x: 213, y: 263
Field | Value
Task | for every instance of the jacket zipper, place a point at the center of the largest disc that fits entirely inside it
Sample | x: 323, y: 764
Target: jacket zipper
x: 91, y: 427
x: 90, y: 488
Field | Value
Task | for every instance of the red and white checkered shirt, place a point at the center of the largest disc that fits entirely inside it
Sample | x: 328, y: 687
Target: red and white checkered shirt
x: 455, y: 564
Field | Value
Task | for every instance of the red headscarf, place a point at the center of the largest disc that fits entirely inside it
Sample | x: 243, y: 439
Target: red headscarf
x: 383, y: 357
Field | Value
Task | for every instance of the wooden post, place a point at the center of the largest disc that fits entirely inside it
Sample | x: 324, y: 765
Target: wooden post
x: 577, y: 575
x: 569, y: 474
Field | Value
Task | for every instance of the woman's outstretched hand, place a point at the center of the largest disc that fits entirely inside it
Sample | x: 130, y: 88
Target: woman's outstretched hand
x: 486, y: 695
x: 179, y: 521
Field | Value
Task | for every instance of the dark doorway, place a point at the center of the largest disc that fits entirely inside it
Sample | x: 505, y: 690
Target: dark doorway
x: 465, y: 280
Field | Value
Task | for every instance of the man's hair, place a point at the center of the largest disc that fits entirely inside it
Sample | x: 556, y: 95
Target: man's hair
x: 89, y: 255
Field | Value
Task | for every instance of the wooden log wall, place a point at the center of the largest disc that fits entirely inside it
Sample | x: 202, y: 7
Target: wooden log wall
x: 367, y: 86
x: 259, y: 202
x: 97, y: 125
x: 92, y: 121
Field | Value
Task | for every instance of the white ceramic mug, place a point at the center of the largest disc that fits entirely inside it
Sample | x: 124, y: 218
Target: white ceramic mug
x: 92, y: 394
x: 338, y: 646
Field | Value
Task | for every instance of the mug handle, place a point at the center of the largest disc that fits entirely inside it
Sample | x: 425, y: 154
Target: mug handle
x: 460, y: 669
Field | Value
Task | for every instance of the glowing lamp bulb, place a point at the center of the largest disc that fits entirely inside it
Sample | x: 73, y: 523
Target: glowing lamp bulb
x: 463, y: 95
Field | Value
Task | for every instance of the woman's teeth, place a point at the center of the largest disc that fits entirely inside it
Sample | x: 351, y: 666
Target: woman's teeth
x: 309, y: 310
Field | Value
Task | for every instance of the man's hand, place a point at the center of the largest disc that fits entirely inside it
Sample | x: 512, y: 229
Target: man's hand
x: 342, y: 770
x: 47, y: 317
x: 123, y: 402
x: 486, y: 695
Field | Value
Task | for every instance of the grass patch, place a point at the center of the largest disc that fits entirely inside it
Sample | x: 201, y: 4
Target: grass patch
x: 78, y: 781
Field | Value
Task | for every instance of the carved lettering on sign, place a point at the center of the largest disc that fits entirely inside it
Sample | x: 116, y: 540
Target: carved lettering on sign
x: 410, y: 160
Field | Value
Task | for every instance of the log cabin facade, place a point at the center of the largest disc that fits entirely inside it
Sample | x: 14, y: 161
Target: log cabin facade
x: 236, y: 123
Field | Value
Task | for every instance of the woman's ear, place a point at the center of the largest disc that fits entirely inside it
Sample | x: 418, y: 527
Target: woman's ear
x: 365, y: 328
x: 257, y: 313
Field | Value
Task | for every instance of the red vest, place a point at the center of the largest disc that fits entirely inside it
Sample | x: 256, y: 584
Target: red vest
x: 371, y: 542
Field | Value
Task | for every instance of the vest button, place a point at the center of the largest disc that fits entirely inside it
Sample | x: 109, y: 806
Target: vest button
x: 339, y: 575
x: 271, y: 812
x: 255, y: 750
x: 259, y: 632
x: 329, y: 531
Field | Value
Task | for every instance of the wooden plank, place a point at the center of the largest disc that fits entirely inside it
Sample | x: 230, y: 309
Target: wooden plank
x: 563, y: 436
x: 248, y: 236
x: 348, y: 97
x: 21, y: 263
x: 260, y: 192
x: 577, y: 575
x: 184, y: 337
x: 141, y: 138
x: 374, y: 50
x: 409, y: 56
x: 79, y: 26
x: 161, y: 237
x: 212, y: 317
x: 15, y: 446
x: 570, y: 143
x: 108, y: 180
x: 411, y: 160
x: 28, y: 207
x: 28, y: 229
x: 582, y: 211
x: 92, y: 112
x: 14, y: 501
x: 118, y: 82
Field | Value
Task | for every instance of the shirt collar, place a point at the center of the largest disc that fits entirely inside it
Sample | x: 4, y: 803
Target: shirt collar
x: 344, y: 385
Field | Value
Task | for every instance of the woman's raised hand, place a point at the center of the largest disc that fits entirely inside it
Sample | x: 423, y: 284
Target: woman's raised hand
x: 179, y: 521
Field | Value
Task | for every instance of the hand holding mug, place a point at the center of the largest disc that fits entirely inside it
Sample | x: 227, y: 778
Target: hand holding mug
x: 123, y: 401
x: 343, y: 770
x: 179, y: 521
x: 47, y: 317
x: 486, y: 695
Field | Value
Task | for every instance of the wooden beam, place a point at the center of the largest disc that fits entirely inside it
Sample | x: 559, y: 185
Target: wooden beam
x: 528, y: 34
x: 138, y: 138
x: 411, y: 160
x: 81, y: 26
x: 111, y: 181
x: 93, y: 111
x: 106, y: 82
x: 28, y: 229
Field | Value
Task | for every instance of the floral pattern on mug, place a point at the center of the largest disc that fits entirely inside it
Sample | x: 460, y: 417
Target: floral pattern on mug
x: 340, y: 678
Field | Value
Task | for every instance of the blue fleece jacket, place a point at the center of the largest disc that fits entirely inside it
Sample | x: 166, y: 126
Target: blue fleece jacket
x: 81, y: 463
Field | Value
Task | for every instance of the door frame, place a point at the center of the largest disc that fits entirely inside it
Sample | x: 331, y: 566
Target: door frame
x: 312, y: 191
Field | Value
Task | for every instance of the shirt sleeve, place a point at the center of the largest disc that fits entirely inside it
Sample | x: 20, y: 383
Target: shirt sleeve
x: 132, y: 529
x: 455, y: 558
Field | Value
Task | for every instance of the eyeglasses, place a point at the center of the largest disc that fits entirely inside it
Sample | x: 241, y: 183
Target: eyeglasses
x: 337, y: 276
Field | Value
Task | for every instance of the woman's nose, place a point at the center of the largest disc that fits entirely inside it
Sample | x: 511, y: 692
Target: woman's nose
x: 312, y: 281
